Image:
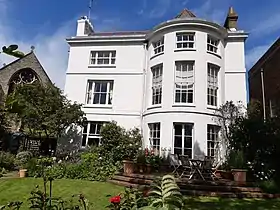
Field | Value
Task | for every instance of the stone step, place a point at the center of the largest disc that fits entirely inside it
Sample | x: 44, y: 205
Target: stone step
x: 189, y: 185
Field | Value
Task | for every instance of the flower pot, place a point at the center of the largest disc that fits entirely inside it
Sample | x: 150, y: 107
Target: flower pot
x: 22, y: 173
x: 128, y: 167
x: 239, y: 175
x: 148, y: 168
x: 224, y: 174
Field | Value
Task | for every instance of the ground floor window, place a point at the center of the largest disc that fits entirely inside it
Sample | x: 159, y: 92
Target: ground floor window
x: 183, y: 138
x: 155, y: 137
x: 212, y: 139
x: 91, y: 133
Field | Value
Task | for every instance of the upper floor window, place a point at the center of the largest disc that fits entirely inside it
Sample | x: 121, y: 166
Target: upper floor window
x: 91, y: 133
x: 157, y: 84
x: 212, y: 84
x: 212, y: 140
x: 103, y: 58
x: 99, y: 92
x: 212, y: 44
x: 155, y: 137
x: 185, y: 41
x: 184, y: 81
x: 159, y: 46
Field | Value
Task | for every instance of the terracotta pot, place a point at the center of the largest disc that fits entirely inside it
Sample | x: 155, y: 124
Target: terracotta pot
x: 239, y: 175
x: 148, y: 168
x: 22, y: 173
x: 128, y: 167
x: 224, y: 174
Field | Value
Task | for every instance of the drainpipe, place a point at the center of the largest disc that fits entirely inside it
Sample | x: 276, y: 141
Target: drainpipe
x: 144, y: 88
x: 263, y: 96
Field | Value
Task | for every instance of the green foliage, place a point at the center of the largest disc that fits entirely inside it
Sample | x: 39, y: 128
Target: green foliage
x: 269, y: 186
x: 43, y: 109
x: 12, y: 51
x: 14, y: 205
x: 22, y: 159
x: 166, y: 194
x: 236, y: 160
x: 119, y: 143
x: 7, y: 160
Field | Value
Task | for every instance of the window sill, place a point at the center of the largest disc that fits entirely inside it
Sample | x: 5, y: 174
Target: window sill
x: 179, y: 50
x: 101, y: 66
x: 215, y: 54
x: 154, y: 106
x: 215, y: 108
x: 154, y: 56
x: 183, y: 105
x: 100, y: 106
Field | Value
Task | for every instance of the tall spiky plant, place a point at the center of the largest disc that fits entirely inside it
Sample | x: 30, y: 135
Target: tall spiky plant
x: 166, y: 195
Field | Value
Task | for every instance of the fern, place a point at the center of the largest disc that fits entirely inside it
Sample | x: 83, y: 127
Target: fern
x: 165, y: 194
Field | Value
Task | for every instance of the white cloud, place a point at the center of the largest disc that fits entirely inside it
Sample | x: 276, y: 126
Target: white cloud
x: 50, y: 50
x: 254, y: 54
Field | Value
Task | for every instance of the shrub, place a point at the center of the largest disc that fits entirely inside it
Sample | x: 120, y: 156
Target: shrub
x: 22, y: 158
x: 236, y: 160
x: 269, y: 186
x: 7, y: 160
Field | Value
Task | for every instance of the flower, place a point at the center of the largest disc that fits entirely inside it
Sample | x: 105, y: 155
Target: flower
x: 54, y: 158
x: 60, y: 161
x: 115, y: 199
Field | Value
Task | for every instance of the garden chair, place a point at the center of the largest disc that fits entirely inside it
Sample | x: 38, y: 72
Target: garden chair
x: 176, y: 164
x: 207, y: 168
x: 186, y: 166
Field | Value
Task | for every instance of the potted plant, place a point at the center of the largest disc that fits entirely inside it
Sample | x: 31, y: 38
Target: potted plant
x: 238, y: 166
x: 141, y: 161
x: 22, y: 159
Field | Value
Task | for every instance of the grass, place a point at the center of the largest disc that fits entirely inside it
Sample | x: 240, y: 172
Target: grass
x: 96, y: 193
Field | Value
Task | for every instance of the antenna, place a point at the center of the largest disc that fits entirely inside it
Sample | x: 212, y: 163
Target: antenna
x: 90, y: 7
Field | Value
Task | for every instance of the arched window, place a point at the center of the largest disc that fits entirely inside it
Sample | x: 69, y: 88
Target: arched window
x: 23, y: 76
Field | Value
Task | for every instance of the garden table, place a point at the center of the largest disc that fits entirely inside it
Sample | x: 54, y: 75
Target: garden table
x: 196, y: 166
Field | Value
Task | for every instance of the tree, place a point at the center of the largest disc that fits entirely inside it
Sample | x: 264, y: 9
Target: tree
x: 227, y: 115
x: 44, y: 110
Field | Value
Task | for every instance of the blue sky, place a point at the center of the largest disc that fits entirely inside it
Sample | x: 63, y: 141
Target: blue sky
x: 46, y: 23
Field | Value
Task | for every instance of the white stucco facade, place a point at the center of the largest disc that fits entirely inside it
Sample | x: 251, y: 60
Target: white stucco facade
x: 178, y: 117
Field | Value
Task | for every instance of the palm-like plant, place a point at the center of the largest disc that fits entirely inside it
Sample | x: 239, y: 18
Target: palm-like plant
x: 166, y: 195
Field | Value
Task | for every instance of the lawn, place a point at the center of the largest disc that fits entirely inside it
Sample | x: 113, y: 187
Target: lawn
x: 96, y: 193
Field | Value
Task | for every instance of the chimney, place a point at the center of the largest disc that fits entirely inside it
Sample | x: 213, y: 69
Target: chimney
x: 84, y: 27
x: 231, y: 20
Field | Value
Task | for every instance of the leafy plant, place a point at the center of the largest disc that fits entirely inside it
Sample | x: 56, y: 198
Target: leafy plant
x: 236, y: 160
x: 7, y: 160
x: 22, y: 159
x: 166, y: 194
x: 14, y: 205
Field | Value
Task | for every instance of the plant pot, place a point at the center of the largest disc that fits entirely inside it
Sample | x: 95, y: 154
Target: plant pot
x: 22, y: 173
x: 224, y: 174
x: 128, y: 167
x: 148, y: 168
x: 239, y: 175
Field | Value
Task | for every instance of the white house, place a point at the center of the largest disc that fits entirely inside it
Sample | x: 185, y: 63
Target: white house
x: 167, y: 81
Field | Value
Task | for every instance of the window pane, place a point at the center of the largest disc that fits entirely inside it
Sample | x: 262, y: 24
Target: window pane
x: 92, y: 128
x: 177, y: 151
x: 96, y: 98
x: 103, y: 87
x: 103, y: 98
x: 84, y: 140
x: 188, y: 142
x: 179, y: 38
x: 178, y: 141
x: 97, y: 87
x: 93, y: 141
x: 178, y: 129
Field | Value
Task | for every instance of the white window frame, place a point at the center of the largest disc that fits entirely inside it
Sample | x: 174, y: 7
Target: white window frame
x: 185, y: 41
x: 184, y: 126
x: 154, y: 137
x: 212, y: 140
x: 95, y: 56
x: 91, y: 92
x: 86, y: 135
x: 159, y: 46
x: 157, y: 75
x: 186, y: 86
x: 212, y: 44
x: 212, y: 84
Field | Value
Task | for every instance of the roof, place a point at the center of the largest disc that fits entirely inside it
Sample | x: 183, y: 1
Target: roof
x: 185, y: 14
x: 274, y: 48
x: 15, y: 61
x: 119, y: 33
